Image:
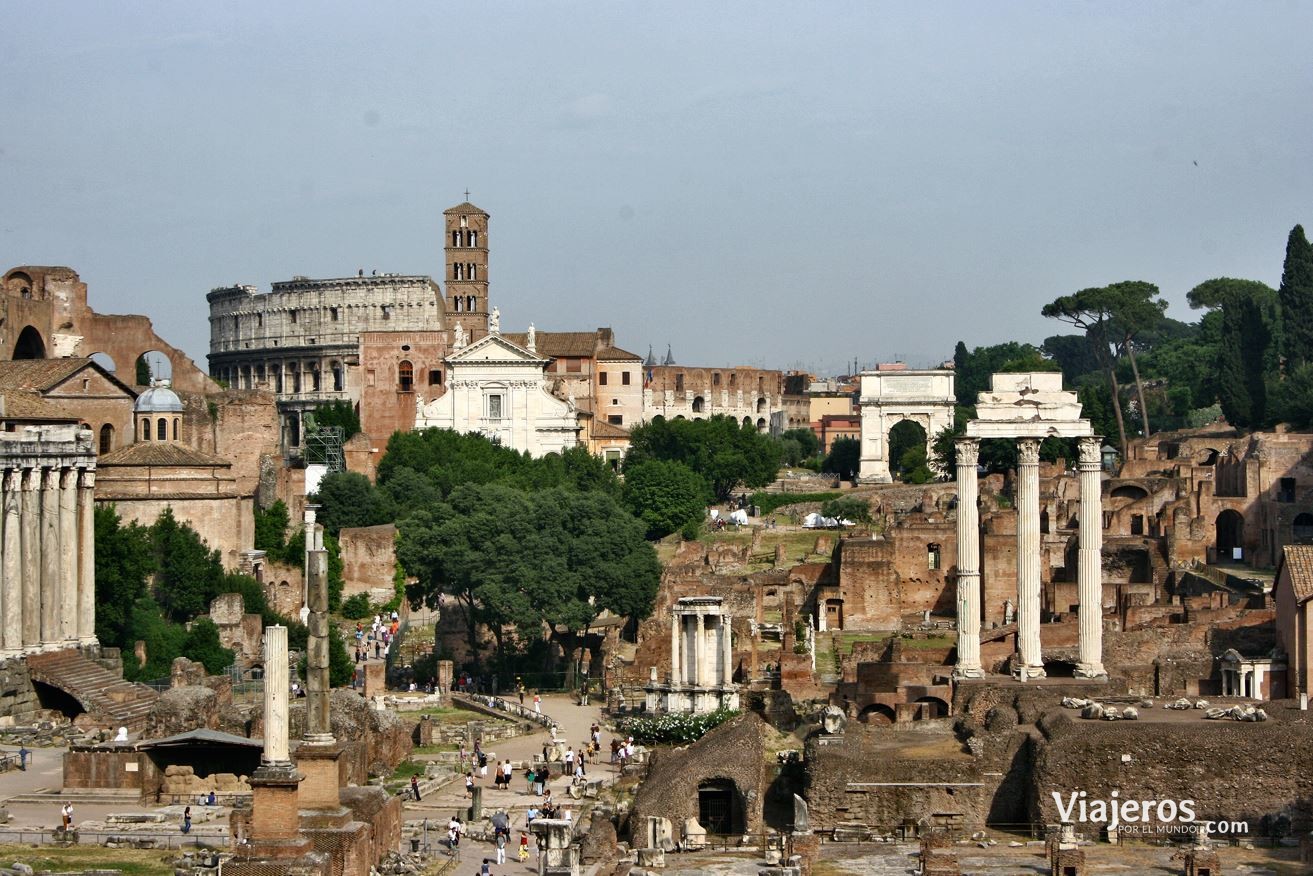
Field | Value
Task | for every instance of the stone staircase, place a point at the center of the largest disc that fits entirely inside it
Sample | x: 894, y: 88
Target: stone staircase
x: 104, y: 695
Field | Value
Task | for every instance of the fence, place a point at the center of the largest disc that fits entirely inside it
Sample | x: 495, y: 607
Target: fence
x: 175, y: 840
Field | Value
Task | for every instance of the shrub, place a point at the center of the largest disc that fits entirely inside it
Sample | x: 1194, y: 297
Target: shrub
x: 691, y: 530
x: 356, y: 607
x: 674, y: 728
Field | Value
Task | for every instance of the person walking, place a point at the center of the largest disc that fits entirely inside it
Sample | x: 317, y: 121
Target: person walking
x: 186, y: 820
x: 537, y: 704
x: 524, y: 847
x: 501, y: 844
x: 66, y: 816
x: 414, y: 786
x: 469, y: 785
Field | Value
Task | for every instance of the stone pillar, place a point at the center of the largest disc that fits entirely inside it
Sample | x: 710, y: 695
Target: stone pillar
x: 727, y: 651
x: 1089, y: 569
x: 968, y: 562
x: 1029, y: 662
x: 51, y: 571
x: 275, y: 697
x: 30, y: 515
x: 11, y: 592
x: 675, y: 667
x: 86, y: 597
x: 68, y: 569
x: 700, y: 652
x: 318, y: 731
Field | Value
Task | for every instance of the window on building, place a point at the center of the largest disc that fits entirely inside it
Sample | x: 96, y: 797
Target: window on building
x: 679, y: 383
x: 145, y: 430
x: 1286, y: 491
x: 1137, y: 524
x: 615, y: 419
x: 698, y: 404
x: 456, y: 302
x: 387, y: 311
x: 175, y: 428
x: 337, y: 377
x: 369, y: 377
x: 405, y: 376
x: 259, y: 319
x: 106, y: 438
x: 456, y: 271
x: 933, y: 556
x: 314, y: 381
x: 311, y: 341
x: 291, y: 314
x: 574, y: 364
x: 464, y: 221
x: 624, y: 378
x: 161, y: 429
x: 474, y: 271
x: 332, y: 314
x: 494, y: 406
x: 455, y: 238
x: 601, y: 378
x: 615, y: 402
x: 435, y: 378
x: 474, y: 237
x: 715, y: 378
x: 733, y: 380
x: 469, y: 304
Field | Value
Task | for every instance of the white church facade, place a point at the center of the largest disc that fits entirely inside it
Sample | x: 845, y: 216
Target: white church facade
x: 499, y: 389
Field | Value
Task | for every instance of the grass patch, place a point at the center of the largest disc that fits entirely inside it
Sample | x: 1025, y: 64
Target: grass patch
x: 405, y: 770
x: 930, y: 643
x: 131, y: 862
x: 436, y: 749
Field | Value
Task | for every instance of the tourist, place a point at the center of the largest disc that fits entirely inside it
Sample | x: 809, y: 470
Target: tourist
x: 454, y: 830
x: 524, y: 846
x: 507, y: 773
x: 485, y: 869
x: 186, y: 820
x: 569, y: 761
x: 530, y: 814
x: 615, y: 750
x: 537, y: 704
x: 66, y: 815
x: 469, y: 785
x: 414, y: 786
x: 547, y: 798
x: 211, y: 799
x: 519, y: 688
x: 501, y: 844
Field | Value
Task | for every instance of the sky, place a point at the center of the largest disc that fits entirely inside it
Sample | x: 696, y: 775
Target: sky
x: 787, y: 185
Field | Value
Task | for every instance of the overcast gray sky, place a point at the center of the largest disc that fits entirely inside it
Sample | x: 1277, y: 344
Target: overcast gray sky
x: 759, y: 183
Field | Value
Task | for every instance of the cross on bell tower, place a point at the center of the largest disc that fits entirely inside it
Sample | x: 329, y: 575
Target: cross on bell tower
x: 466, y: 274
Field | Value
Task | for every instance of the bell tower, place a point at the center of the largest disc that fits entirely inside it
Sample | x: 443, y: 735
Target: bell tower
x: 466, y: 275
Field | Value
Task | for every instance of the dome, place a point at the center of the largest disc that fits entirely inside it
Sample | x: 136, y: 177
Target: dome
x: 158, y: 399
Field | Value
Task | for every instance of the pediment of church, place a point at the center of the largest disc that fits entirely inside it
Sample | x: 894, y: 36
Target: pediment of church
x: 494, y: 348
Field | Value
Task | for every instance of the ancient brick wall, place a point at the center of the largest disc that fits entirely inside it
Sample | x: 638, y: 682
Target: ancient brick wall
x: 101, y: 768
x: 369, y: 558
x: 387, y: 402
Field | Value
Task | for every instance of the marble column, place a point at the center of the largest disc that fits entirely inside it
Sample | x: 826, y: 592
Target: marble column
x: 86, y: 597
x: 675, y: 666
x: 700, y: 652
x: 275, y: 697
x: 11, y: 598
x: 1029, y: 662
x: 1089, y: 567
x: 51, y: 559
x: 30, y: 515
x: 968, y: 561
x: 727, y: 651
x: 68, y: 567
x: 317, y: 727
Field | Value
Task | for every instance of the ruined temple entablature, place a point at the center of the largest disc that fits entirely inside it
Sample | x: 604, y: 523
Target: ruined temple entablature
x: 1031, y: 404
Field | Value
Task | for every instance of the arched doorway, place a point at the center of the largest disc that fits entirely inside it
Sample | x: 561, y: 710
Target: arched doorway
x: 30, y: 345
x: 106, y: 439
x: 877, y: 713
x: 1301, y: 530
x: 1230, y: 535
x: 907, y: 450
x: 720, y: 807
x: 935, y: 707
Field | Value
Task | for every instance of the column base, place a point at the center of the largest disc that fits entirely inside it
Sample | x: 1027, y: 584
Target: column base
x: 1095, y: 671
x: 1025, y: 673
x: 964, y: 672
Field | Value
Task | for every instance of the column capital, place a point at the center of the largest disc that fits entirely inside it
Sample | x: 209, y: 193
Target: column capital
x: 1089, y: 450
x: 50, y: 478
x: 968, y: 451
x: 87, y: 478
x: 68, y: 478
x: 1028, y: 451
x: 13, y: 479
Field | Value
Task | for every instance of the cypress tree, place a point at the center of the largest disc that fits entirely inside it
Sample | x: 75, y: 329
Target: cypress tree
x: 1296, y: 295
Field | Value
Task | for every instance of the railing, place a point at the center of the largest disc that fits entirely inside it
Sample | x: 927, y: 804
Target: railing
x: 170, y: 840
x: 510, y: 707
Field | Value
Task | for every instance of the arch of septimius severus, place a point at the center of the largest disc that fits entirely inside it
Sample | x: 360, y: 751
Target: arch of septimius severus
x: 1029, y: 407
x: 47, y: 535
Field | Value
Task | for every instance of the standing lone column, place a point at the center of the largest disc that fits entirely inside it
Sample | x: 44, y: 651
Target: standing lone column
x: 86, y: 598
x: 275, y: 697
x: 12, y: 560
x: 68, y: 567
x: 31, y: 548
x: 318, y: 730
x: 51, y: 558
x: 700, y: 652
x: 727, y: 651
x: 675, y: 666
x: 968, y: 562
x: 1089, y: 568
x: 1029, y: 663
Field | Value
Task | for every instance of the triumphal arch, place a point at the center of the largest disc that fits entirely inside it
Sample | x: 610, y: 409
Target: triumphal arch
x: 891, y: 394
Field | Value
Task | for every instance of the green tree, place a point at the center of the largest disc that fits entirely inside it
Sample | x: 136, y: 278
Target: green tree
x: 340, y: 414
x: 271, y: 529
x: 907, y: 440
x: 1295, y: 398
x: 201, y: 644
x: 809, y: 444
x: 1092, y: 311
x: 143, y: 371
x: 1296, y: 295
x: 188, y: 572
x: 125, y: 561
x: 847, y: 508
x: 973, y: 370
x: 665, y: 496
x: 844, y: 458
x: 1246, y: 356
x: 725, y: 453
x: 348, y: 499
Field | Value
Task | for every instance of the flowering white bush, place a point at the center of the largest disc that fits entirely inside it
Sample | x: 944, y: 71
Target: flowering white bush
x: 675, y: 728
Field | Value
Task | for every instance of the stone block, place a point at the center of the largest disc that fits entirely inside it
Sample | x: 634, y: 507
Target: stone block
x: 695, y: 835
x: 653, y: 858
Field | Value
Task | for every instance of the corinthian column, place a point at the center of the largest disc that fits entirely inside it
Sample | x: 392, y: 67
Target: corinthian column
x: 11, y: 599
x: 727, y: 651
x: 69, y: 560
x: 700, y: 652
x: 86, y: 596
x: 675, y: 667
x: 968, y: 562
x: 30, y: 515
x: 51, y: 559
x: 1089, y: 568
x: 1029, y: 663
x: 275, y: 697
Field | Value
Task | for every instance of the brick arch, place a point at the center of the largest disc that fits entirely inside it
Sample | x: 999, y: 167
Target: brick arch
x: 30, y: 344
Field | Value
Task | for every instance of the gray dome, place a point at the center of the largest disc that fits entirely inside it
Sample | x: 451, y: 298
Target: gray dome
x: 159, y: 399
